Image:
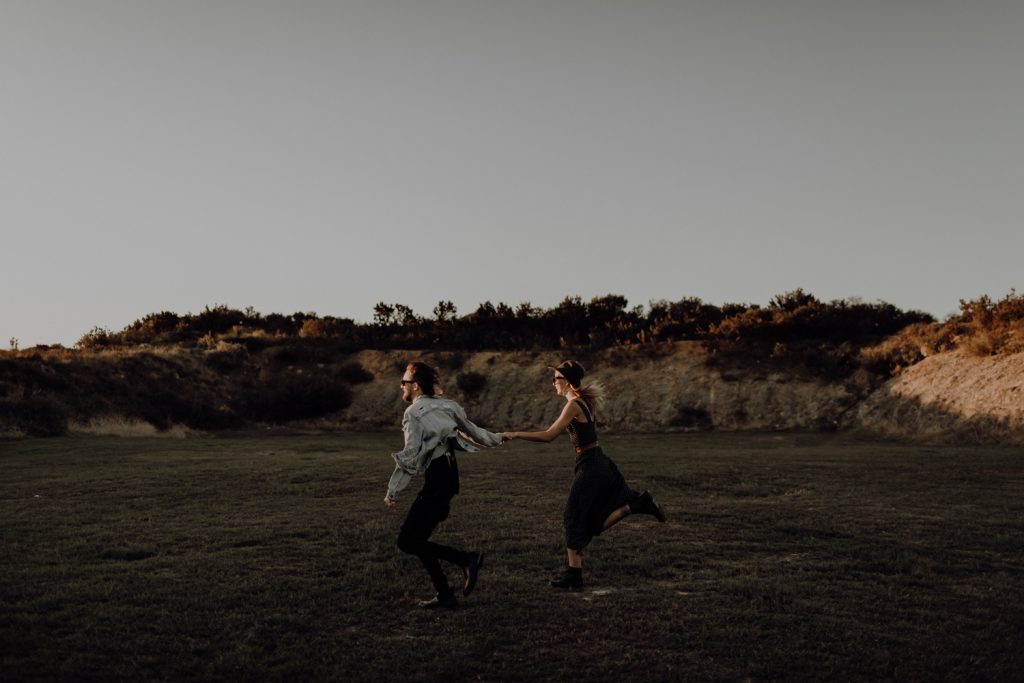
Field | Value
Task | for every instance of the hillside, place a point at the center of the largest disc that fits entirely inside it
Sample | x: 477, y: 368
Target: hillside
x: 947, y: 396
x: 952, y: 396
x: 680, y: 387
x: 798, y: 364
x: 673, y: 391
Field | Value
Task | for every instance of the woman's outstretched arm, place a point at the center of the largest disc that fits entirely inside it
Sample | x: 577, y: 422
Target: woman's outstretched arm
x: 570, y: 411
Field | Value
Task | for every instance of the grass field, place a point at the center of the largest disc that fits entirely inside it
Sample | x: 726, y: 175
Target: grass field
x: 262, y: 557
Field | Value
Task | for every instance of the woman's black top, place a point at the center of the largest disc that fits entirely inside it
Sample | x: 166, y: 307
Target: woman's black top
x: 583, y: 434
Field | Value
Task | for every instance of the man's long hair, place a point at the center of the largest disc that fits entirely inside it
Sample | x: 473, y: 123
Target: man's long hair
x: 426, y: 377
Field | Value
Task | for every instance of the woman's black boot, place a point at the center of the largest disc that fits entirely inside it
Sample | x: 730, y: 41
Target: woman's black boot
x: 645, y: 504
x: 571, y: 580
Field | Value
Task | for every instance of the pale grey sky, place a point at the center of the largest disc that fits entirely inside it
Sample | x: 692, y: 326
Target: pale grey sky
x: 324, y: 156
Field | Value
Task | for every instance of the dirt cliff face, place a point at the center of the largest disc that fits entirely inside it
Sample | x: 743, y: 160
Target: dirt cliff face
x: 670, y: 390
x: 665, y: 388
x: 950, y: 395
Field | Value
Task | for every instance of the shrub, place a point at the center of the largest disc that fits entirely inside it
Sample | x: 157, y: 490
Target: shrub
x: 993, y: 327
x: 691, y: 417
x: 152, y: 328
x: 295, y: 353
x: 354, y: 373
x: 216, y: 320
x: 36, y: 415
x: 162, y: 408
x: 470, y: 382
x: 909, y: 346
x: 293, y: 397
x: 889, y: 357
x: 449, y: 361
x: 983, y: 328
x: 985, y: 342
x: 203, y: 413
x: 227, y: 357
x: 96, y: 338
x: 314, y: 327
x: 326, y: 327
x: 799, y: 331
x: 256, y: 342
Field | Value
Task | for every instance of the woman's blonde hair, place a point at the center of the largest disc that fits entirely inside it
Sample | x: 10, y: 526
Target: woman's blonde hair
x: 592, y: 394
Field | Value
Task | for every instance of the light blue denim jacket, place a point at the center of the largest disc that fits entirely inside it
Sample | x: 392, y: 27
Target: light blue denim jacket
x: 430, y: 424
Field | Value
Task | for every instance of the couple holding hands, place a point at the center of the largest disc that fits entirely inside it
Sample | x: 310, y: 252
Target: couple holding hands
x: 436, y: 427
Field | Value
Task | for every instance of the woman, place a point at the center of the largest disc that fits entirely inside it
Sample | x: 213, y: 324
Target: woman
x: 599, y: 496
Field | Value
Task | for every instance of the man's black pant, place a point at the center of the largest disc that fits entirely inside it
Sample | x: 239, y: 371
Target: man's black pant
x: 430, y: 508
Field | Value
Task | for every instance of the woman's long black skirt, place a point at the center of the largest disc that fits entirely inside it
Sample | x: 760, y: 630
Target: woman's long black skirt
x: 598, y: 489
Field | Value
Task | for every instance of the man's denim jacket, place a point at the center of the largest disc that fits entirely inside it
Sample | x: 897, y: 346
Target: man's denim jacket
x: 432, y: 426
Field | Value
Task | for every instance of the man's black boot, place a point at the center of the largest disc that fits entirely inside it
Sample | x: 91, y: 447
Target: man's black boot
x: 571, y: 580
x: 472, y: 571
x: 441, y: 601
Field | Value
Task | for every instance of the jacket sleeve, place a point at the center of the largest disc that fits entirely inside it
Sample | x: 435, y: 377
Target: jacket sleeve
x: 478, y: 434
x: 407, y: 460
x: 399, y: 480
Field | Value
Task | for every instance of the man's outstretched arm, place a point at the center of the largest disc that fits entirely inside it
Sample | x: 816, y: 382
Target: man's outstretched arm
x: 406, y: 460
x: 475, y: 434
x: 399, y: 480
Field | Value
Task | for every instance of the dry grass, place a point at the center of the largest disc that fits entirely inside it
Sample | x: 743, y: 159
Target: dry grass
x: 271, y: 557
x: 126, y: 427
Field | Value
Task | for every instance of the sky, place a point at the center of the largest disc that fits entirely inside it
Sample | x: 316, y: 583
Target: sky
x: 325, y: 156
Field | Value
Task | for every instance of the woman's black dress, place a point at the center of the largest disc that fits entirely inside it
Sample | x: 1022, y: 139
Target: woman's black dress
x: 598, y: 489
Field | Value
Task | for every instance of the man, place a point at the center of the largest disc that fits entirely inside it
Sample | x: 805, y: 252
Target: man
x: 434, y: 429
